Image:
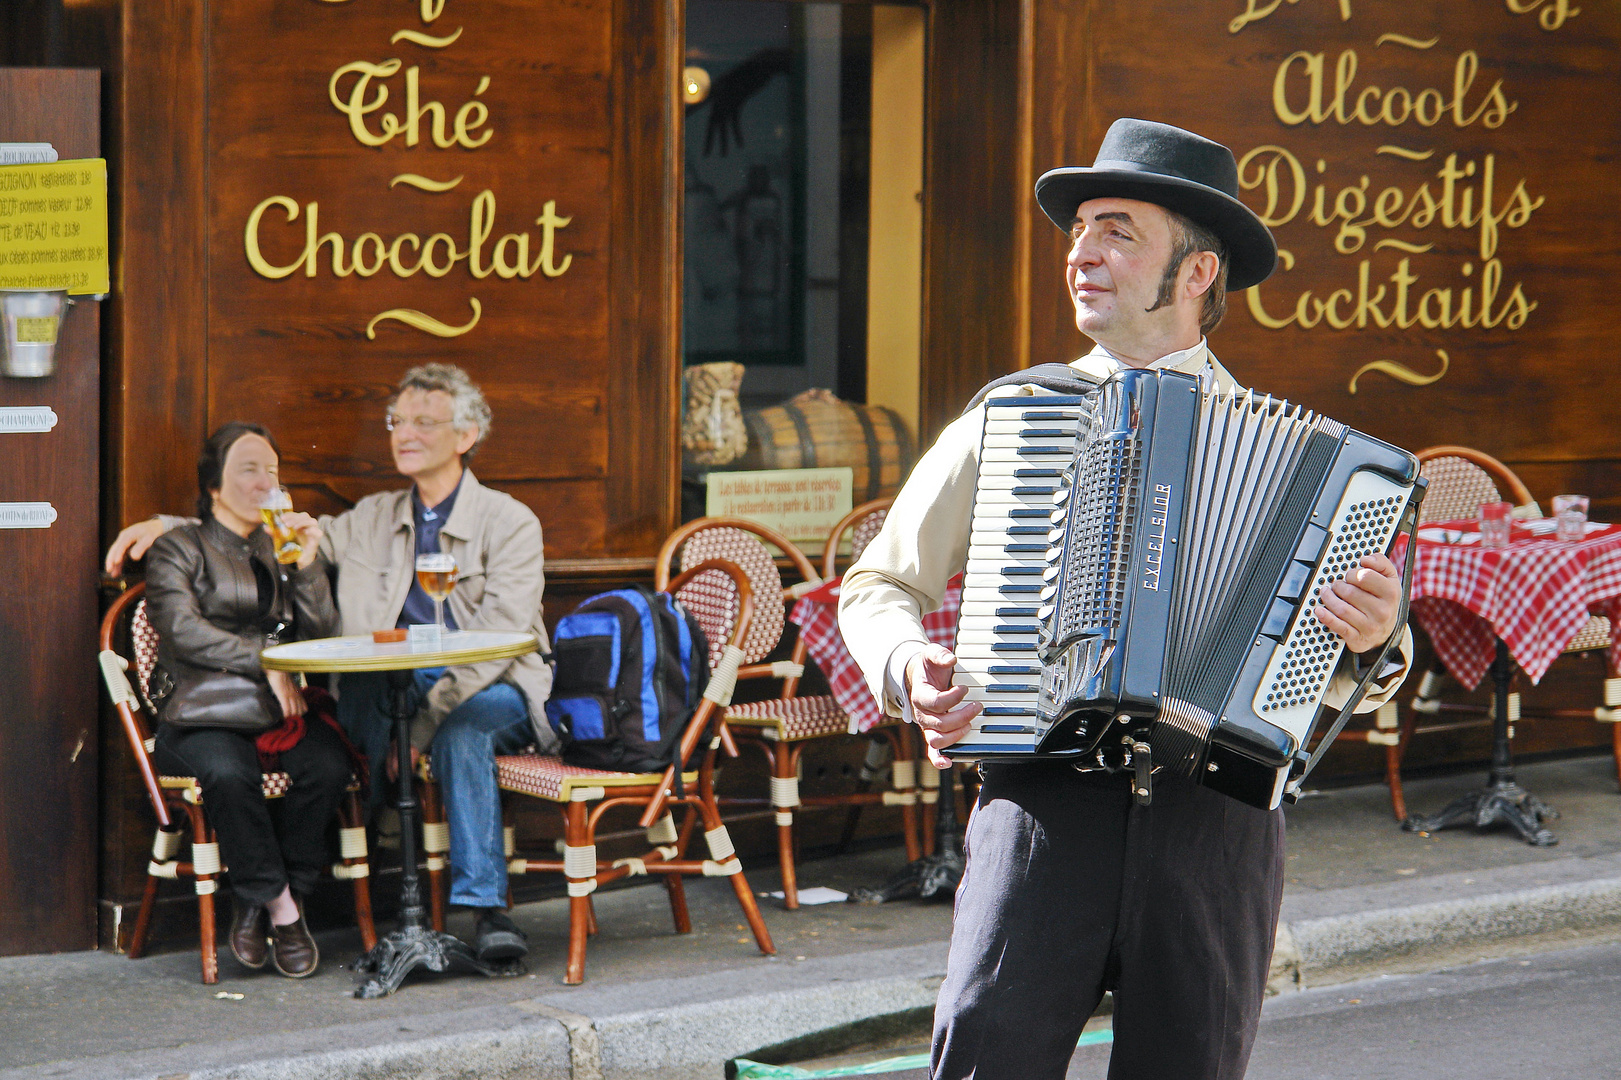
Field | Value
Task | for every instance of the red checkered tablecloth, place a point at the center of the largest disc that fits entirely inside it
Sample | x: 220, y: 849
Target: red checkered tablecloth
x: 1535, y: 594
x: 817, y: 616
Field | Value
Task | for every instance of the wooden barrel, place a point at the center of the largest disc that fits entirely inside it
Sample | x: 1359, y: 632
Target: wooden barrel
x: 817, y: 430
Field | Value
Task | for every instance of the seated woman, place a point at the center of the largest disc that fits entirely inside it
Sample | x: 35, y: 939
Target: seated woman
x: 217, y: 597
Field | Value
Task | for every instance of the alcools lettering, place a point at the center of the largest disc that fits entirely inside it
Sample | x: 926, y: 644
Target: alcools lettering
x: 1299, y: 96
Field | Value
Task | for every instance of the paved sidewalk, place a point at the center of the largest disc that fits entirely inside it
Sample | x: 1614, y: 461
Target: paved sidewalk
x: 1361, y: 896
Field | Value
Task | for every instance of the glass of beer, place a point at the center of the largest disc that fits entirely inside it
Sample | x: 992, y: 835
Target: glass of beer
x: 283, y: 541
x: 436, y: 573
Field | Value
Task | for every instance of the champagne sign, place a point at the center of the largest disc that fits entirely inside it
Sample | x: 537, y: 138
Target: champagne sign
x: 27, y: 418
x: 385, y: 103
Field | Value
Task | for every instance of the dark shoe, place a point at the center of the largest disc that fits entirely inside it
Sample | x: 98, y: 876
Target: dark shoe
x: 292, y: 949
x: 497, y: 938
x: 249, y: 944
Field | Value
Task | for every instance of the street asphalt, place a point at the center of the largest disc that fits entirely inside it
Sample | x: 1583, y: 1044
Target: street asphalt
x: 1550, y: 1014
x: 1362, y: 899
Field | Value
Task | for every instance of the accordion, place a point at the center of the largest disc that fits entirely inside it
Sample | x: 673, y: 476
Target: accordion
x: 1142, y: 573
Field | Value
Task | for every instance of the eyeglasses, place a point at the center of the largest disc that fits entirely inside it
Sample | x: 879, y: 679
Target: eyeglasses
x: 427, y: 425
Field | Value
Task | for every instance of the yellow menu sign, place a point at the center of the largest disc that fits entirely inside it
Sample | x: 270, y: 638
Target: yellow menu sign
x: 53, y: 226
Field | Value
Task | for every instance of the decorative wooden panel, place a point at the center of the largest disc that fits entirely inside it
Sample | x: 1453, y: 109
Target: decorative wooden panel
x: 1371, y: 132
x: 354, y: 187
x: 48, y: 676
x: 972, y: 178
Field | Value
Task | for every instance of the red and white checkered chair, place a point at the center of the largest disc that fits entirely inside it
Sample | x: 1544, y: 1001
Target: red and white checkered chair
x: 1461, y: 479
x: 719, y: 595
x: 783, y: 725
x: 126, y: 627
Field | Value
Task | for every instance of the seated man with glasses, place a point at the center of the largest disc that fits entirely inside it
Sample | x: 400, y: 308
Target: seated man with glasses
x: 469, y: 713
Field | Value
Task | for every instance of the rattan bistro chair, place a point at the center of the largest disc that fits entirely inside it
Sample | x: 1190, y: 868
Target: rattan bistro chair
x: 1461, y: 479
x: 718, y: 594
x: 781, y: 726
x: 177, y: 801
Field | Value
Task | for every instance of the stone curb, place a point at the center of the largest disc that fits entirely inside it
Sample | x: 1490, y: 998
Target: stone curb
x: 681, y: 1028
x: 1346, y: 934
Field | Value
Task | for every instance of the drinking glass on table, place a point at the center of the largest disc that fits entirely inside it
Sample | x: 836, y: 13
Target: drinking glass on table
x: 1570, y: 511
x: 437, y: 573
x: 284, y: 541
x: 1495, y: 524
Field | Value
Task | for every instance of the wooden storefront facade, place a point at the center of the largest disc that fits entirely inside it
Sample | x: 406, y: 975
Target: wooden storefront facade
x: 311, y: 195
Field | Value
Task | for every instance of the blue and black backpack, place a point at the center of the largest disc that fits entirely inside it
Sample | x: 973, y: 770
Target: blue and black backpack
x: 632, y: 665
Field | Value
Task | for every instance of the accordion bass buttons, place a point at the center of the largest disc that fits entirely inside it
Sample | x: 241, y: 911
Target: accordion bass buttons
x: 1311, y: 545
x: 1295, y: 578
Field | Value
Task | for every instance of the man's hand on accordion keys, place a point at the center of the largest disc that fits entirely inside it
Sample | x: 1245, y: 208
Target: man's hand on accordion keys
x: 937, y: 706
x: 1361, y: 608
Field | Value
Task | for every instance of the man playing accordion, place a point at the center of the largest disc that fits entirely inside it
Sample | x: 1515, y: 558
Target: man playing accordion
x: 1072, y: 887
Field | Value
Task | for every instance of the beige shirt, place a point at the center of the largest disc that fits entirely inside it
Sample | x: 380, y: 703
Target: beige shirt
x: 500, y: 557
x: 924, y: 543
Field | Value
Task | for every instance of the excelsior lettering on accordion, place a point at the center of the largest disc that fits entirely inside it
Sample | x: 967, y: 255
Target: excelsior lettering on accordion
x: 1142, y: 574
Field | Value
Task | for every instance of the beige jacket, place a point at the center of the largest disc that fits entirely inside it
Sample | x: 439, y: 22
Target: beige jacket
x: 924, y: 543
x: 497, y: 544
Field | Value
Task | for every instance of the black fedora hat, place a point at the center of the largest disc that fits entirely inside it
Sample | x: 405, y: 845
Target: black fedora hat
x: 1178, y: 170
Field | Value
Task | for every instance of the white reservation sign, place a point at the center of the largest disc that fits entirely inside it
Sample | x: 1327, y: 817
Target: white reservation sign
x: 802, y: 504
x: 30, y: 515
x: 27, y: 418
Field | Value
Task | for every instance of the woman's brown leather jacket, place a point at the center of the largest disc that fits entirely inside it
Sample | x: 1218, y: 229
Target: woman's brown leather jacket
x: 204, y: 600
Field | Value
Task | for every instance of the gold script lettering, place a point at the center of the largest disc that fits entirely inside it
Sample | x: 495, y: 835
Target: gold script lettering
x: 1373, y: 105
x: 1553, y: 15
x: 408, y: 253
x: 1403, y: 373
x: 1255, y: 12
x: 356, y: 107
x: 426, y: 323
x: 1434, y: 308
x: 471, y: 116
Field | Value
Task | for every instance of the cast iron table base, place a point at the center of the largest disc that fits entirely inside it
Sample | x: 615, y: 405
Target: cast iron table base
x: 936, y: 875
x: 1501, y: 799
x: 413, y: 945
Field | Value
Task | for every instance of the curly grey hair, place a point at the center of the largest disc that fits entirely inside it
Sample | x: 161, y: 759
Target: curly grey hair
x: 468, y: 407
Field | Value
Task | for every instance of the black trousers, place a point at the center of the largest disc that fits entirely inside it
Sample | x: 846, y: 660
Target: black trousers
x: 267, y: 844
x: 1072, y: 889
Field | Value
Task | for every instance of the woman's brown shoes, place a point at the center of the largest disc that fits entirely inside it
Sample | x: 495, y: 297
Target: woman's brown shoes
x: 292, y: 950
x: 248, y: 942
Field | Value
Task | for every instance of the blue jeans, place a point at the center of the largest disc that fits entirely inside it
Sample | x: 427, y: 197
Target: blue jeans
x: 493, y: 721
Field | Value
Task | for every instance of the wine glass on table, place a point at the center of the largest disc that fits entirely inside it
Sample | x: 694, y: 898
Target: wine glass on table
x: 437, y: 573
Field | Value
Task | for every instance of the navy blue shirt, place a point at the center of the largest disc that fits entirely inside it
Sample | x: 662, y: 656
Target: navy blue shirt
x: 418, y: 607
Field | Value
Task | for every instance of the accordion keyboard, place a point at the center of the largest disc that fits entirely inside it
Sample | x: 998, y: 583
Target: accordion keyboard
x: 1027, y: 443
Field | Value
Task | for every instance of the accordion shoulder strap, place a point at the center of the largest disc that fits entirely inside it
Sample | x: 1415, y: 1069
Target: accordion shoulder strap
x: 1059, y: 378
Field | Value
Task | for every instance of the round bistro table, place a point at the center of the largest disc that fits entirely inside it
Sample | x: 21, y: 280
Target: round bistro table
x: 414, y: 944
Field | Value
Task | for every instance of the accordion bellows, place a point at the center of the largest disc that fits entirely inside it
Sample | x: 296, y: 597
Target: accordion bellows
x: 1142, y: 569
